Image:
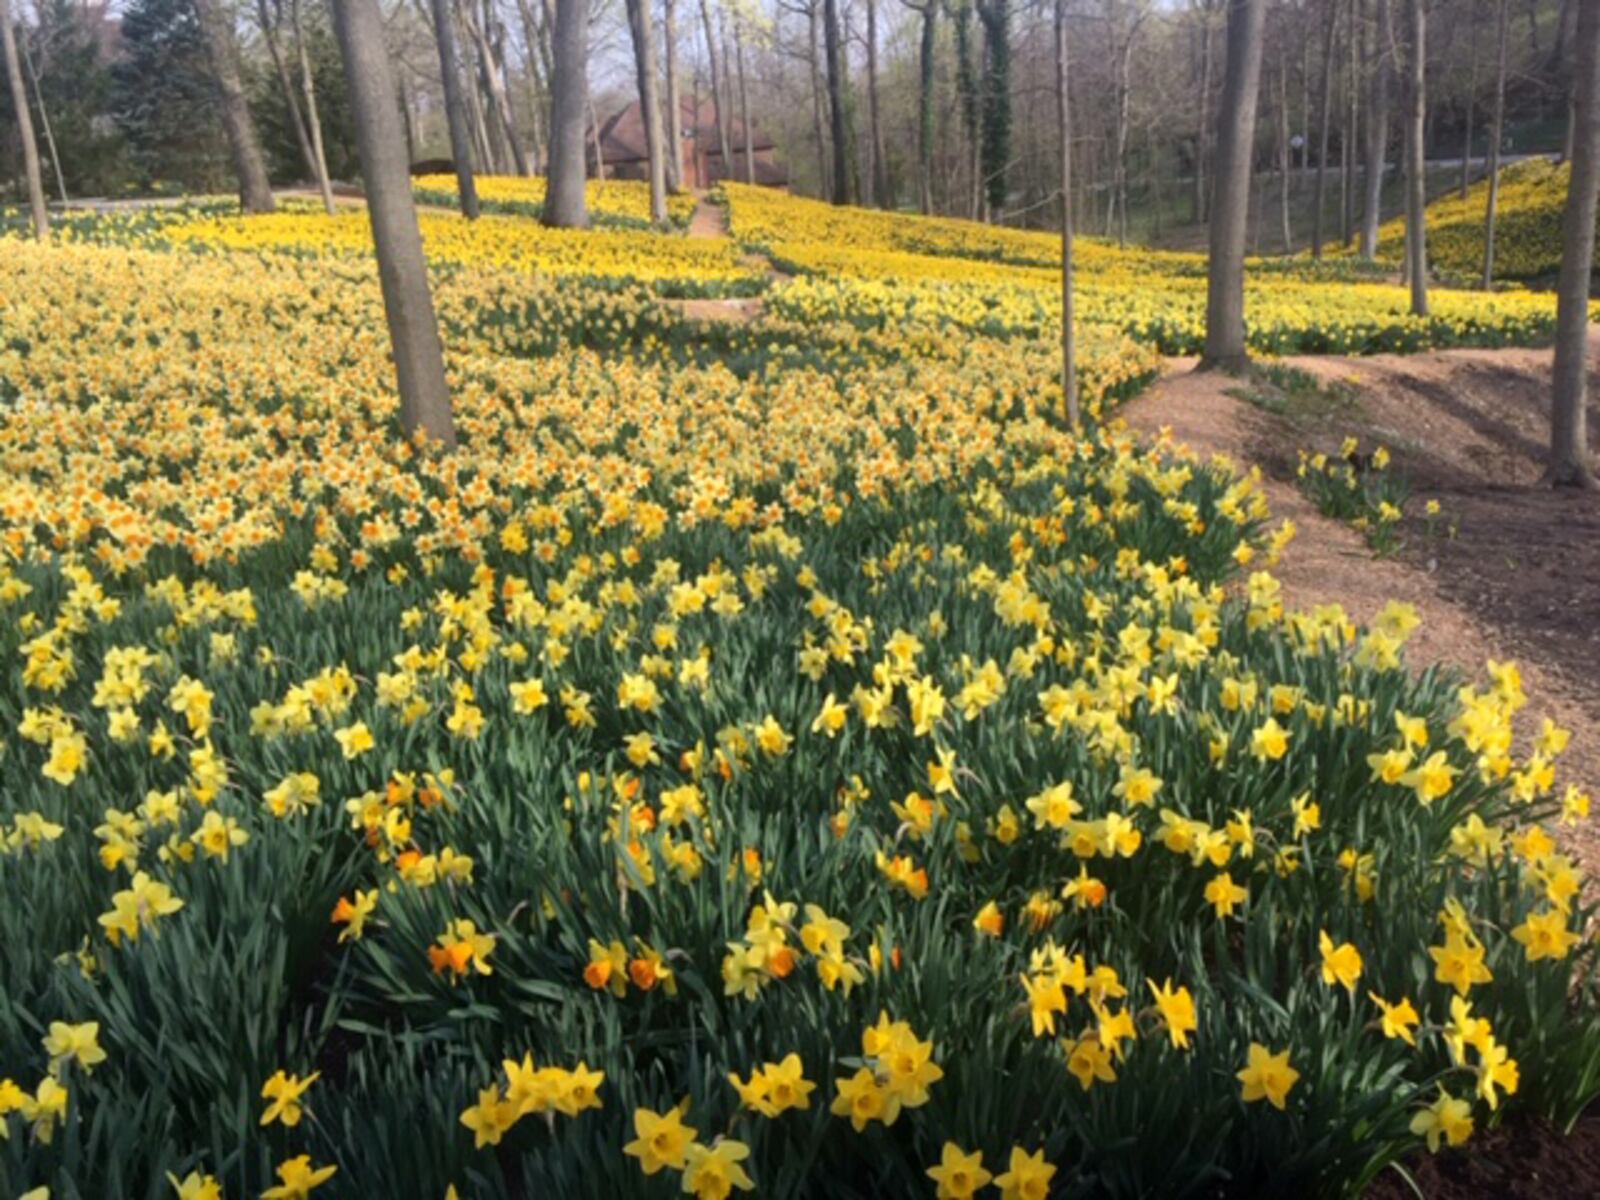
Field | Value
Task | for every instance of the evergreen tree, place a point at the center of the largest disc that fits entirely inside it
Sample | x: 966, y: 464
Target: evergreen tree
x: 164, y: 102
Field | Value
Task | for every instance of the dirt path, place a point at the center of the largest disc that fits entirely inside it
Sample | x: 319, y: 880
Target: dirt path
x: 709, y: 220
x: 1328, y: 562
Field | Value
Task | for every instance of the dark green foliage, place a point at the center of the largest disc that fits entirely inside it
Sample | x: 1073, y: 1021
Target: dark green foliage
x: 76, y: 85
x: 284, y: 160
x: 163, y: 100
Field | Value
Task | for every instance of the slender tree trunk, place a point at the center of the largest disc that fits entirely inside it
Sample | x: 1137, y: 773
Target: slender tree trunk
x: 1377, y: 133
x: 640, y: 26
x: 1569, y: 428
x: 880, y: 163
x: 744, y: 103
x: 674, y: 114
x: 402, y: 270
x: 1349, y: 138
x: 19, y: 104
x: 925, y: 66
x: 1496, y: 132
x: 482, y: 33
x: 594, y: 139
x: 841, y: 142
x: 1069, y: 356
x: 565, y: 206
x: 308, y: 88
x: 1283, y: 157
x: 486, y: 147
x: 1119, y: 103
x: 44, y: 120
x: 1416, y: 158
x: 1325, y: 118
x: 819, y: 134
x: 537, y: 61
x: 255, y: 189
x: 291, y: 95
x: 1230, y: 201
x: 718, y: 111
x: 408, y: 117
x: 1203, y: 128
x: 1472, y: 90
x: 455, y: 108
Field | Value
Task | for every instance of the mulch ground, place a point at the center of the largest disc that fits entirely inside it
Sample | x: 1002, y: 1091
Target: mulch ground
x: 1523, y: 1160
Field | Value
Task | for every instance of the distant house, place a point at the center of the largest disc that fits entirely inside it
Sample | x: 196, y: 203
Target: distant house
x: 622, y: 148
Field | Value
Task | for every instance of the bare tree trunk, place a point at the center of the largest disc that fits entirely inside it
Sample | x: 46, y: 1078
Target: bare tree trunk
x: 1120, y: 101
x: 481, y: 31
x: 1349, y: 138
x: 290, y: 95
x: 644, y: 60
x: 564, y: 204
x: 19, y: 104
x: 408, y: 117
x: 1377, y: 133
x: 1562, y: 66
x: 308, y: 87
x: 455, y: 109
x: 1230, y: 201
x: 44, y: 120
x: 880, y: 163
x: 824, y: 163
x: 744, y: 103
x: 1496, y: 132
x: 841, y: 143
x: 1203, y: 107
x: 925, y: 67
x: 719, y: 113
x: 594, y: 139
x: 486, y: 146
x: 1416, y: 158
x: 255, y: 189
x: 1472, y: 90
x: 537, y: 60
x: 1283, y: 157
x: 1569, y: 428
x: 674, y: 121
x: 402, y: 271
x: 1069, y: 349
x: 1322, y: 135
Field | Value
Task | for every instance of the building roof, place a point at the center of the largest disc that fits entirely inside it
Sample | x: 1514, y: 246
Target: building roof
x: 622, y: 135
